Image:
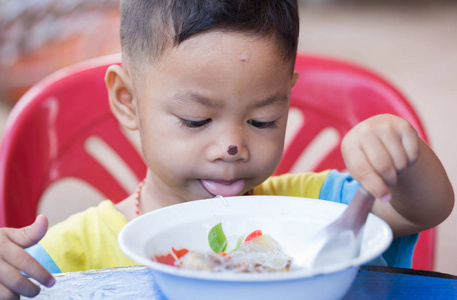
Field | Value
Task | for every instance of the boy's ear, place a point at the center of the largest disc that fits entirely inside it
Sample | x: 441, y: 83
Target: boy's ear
x: 121, y: 96
x: 294, y: 78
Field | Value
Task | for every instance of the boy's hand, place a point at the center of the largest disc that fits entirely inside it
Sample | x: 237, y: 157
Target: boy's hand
x: 13, y: 259
x: 385, y: 154
x: 377, y: 150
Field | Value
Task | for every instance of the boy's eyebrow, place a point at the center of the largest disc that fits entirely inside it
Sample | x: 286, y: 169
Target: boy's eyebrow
x: 192, y: 97
x: 278, y: 98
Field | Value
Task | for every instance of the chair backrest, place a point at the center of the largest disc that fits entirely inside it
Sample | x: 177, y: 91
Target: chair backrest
x: 45, y: 137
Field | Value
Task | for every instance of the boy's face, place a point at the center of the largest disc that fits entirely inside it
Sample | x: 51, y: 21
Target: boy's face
x: 212, y: 116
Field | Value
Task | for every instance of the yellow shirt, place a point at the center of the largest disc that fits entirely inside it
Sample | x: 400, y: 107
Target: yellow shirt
x: 85, y: 241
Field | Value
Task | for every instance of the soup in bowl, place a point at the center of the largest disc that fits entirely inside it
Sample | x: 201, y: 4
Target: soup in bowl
x: 176, y: 243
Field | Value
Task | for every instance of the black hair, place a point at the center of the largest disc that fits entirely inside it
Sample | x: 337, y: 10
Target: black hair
x: 148, y: 27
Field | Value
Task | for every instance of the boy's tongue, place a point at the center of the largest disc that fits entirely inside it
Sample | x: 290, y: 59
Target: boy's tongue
x: 223, y: 188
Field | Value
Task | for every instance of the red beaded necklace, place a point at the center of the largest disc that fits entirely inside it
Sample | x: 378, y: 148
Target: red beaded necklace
x: 137, y: 197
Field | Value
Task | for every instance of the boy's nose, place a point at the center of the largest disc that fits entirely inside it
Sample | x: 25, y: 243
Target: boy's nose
x: 232, y: 149
x: 233, y: 152
x: 229, y: 151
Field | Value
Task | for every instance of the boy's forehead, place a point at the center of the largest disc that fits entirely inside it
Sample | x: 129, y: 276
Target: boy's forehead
x: 244, y: 57
x: 225, y: 46
x: 217, y: 47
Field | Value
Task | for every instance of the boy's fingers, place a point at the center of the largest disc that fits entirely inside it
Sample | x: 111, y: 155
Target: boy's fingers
x: 410, y: 143
x: 37, y: 230
x: 18, y: 258
x: 364, y: 173
x: 380, y: 159
x: 30, y: 235
x: 7, y: 294
x: 13, y: 280
x: 394, y: 145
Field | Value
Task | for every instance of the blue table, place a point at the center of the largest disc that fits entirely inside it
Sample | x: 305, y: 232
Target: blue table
x: 138, y: 283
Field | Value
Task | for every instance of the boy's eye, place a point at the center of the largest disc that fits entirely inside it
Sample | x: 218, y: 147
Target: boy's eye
x: 262, y: 125
x: 194, y: 124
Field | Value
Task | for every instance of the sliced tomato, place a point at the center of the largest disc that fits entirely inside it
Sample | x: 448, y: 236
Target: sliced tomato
x: 253, y: 235
x: 180, y: 253
x: 169, y: 259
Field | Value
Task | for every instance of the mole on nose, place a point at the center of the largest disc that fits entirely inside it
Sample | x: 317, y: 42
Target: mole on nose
x: 232, y: 149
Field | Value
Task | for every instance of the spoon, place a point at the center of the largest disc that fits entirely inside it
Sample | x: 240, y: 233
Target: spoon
x: 340, y: 241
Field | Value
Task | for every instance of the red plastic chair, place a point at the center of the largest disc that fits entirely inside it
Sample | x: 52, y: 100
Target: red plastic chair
x: 44, y: 138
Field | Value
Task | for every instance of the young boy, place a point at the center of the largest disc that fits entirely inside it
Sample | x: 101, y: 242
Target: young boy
x: 207, y: 84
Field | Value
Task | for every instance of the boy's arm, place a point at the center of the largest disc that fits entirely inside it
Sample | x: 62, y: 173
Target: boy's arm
x: 387, y: 157
x: 14, y: 259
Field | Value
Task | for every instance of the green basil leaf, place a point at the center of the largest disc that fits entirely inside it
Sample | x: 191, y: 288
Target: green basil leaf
x: 217, y: 239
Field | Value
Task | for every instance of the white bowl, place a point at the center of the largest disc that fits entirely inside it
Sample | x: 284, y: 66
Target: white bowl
x: 289, y: 220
